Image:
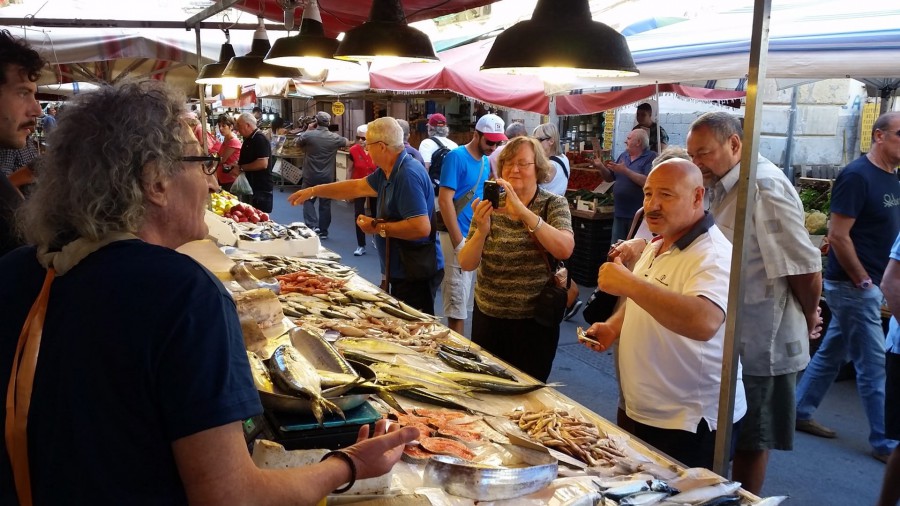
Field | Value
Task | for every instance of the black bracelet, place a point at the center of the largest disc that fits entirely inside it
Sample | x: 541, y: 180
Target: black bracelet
x: 349, y: 460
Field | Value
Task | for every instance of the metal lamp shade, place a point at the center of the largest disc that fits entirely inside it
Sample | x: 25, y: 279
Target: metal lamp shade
x: 386, y: 34
x: 251, y: 66
x: 561, y: 35
x: 211, y: 73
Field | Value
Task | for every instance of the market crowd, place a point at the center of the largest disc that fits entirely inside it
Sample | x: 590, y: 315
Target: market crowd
x: 485, y: 222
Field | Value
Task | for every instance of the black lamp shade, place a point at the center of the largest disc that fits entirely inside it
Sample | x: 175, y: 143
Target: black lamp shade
x: 386, y: 34
x: 252, y: 66
x: 561, y: 34
x: 211, y: 73
x: 309, y: 43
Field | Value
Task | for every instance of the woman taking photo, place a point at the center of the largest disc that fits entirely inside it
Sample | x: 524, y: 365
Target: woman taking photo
x: 510, y: 246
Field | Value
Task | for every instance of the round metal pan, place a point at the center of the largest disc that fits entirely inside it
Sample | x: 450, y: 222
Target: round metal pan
x: 290, y: 404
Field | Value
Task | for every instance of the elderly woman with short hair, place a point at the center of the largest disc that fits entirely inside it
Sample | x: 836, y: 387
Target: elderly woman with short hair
x: 138, y: 343
x: 509, y: 247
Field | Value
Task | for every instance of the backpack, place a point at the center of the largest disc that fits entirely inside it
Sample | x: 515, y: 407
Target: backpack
x: 437, y: 160
x: 559, y: 162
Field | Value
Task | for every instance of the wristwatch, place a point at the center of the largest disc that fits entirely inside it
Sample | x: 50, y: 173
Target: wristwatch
x: 382, y: 231
x: 865, y: 284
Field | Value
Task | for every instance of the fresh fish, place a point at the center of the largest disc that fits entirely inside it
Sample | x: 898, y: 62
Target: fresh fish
x: 413, y: 311
x: 417, y: 394
x: 699, y: 495
x: 625, y: 490
x: 348, y: 330
x: 361, y: 296
x: 491, y: 384
x: 394, y: 311
x: 459, y: 352
x: 643, y: 499
x: 775, y: 500
x: 362, y: 358
x: 319, y: 352
x: 464, y: 364
x: 261, y: 377
x: 435, y: 382
x: 296, y: 374
x: 725, y: 500
x: 446, y: 446
x: 331, y: 313
x: 372, y: 345
x: 331, y: 379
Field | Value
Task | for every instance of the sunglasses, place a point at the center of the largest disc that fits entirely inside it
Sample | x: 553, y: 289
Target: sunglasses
x: 490, y: 142
x: 542, y: 139
x: 208, y: 162
x: 360, y: 138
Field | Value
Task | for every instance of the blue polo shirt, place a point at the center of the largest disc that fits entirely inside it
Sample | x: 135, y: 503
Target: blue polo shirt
x: 629, y: 196
x: 408, y: 193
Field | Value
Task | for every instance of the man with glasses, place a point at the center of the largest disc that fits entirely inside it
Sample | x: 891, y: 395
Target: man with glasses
x: 463, y: 173
x: 865, y: 219
x: 254, y: 160
x: 405, y: 209
x: 319, y: 166
x: 781, y: 291
x: 629, y: 172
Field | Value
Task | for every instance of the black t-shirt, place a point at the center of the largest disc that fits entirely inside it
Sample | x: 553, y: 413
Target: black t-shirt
x: 141, y: 346
x: 256, y: 146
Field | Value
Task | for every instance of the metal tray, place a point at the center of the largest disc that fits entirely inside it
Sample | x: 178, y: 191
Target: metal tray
x: 488, y: 483
x: 290, y: 404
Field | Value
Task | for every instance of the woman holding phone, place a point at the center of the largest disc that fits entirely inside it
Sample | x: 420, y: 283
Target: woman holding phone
x: 511, y: 246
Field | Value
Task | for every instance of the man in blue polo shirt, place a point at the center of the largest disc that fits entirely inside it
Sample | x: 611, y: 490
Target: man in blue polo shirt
x: 629, y: 172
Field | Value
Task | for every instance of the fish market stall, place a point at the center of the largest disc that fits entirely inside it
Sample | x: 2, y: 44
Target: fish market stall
x: 330, y: 352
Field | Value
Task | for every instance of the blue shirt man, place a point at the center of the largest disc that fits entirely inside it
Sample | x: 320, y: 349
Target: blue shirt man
x: 629, y: 172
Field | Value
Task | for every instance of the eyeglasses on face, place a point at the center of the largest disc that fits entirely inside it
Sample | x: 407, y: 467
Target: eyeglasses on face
x: 370, y: 144
x: 542, y: 139
x: 490, y: 142
x: 522, y: 165
x: 360, y: 138
x: 208, y: 162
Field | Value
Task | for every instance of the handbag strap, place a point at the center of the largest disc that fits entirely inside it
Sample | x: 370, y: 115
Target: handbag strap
x: 461, y: 203
x: 18, y: 392
x: 546, y: 254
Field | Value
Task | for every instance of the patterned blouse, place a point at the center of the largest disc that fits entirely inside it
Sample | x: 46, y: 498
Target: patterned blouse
x: 512, y: 271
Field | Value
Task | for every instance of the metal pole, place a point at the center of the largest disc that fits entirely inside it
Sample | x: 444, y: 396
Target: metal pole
x: 658, y: 136
x: 201, y: 92
x: 759, y: 47
x: 789, y: 143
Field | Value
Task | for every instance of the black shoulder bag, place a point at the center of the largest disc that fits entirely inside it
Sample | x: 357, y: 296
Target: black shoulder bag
x: 551, y: 303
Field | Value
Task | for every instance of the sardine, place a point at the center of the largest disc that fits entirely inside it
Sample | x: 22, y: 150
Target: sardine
x: 463, y: 364
x: 361, y: 296
x: 699, y: 495
x: 261, y: 377
x: 395, y: 311
x: 296, y: 374
x: 491, y: 384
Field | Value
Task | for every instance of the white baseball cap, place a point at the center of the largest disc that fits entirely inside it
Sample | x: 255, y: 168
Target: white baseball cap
x: 362, y: 129
x: 491, y: 127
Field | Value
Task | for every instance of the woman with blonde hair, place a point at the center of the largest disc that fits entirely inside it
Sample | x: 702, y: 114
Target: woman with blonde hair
x: 558, y: 180
x: 511, y: 246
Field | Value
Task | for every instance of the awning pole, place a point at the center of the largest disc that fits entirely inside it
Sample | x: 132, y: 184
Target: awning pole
x: 201, y: 93
x: 658, y: 137
x: 759, y: 47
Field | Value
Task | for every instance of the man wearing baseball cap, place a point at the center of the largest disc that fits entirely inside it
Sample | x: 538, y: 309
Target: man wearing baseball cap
x: 321, y: 147
x: 464, y: 169
x: 437, y: 132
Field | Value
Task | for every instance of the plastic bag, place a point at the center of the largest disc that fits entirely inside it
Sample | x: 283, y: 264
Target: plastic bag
x: 241, y: 186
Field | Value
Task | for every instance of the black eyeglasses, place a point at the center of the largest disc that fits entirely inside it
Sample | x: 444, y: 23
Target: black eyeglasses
x: 490, y: 142
x: 208, y: 162
x: 360, y: 138
x: 542, y: 139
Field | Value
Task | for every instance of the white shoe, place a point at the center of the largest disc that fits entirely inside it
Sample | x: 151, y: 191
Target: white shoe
x: 360, y: 251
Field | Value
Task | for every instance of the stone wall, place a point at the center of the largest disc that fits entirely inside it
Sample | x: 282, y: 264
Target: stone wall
x: 826, y: 130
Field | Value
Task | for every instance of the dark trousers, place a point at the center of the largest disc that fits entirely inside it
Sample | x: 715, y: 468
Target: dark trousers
x: 323, y: 220
x: 691, y: 449
x: 359, y: 206
x: 419, y: 293
x: 525, y: 344
x: 262, y: 201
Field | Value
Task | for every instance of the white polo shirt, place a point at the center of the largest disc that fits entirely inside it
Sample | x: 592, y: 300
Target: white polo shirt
x: 670, y: 381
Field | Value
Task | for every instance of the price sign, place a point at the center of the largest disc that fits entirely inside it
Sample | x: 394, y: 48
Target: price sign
x: 337, y: 108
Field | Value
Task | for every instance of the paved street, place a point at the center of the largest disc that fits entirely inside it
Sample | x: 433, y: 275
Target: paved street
x: 818, y: 471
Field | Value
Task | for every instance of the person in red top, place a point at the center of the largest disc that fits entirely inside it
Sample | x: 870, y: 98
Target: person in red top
x: 361, y: 165
x: 229, y: 151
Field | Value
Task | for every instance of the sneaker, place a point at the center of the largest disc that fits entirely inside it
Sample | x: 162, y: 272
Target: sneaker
x: 360, y: 251
x: 323, y: 235
x: 572, y: 311
x: 815, y: 428
x: 882, y: 457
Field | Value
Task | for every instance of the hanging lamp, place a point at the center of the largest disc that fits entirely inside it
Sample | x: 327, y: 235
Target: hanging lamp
x: 251, y: 66
x: 211, y: 73
x: 562, y: 38
x: 309, y: 50
x: 386, y: 35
